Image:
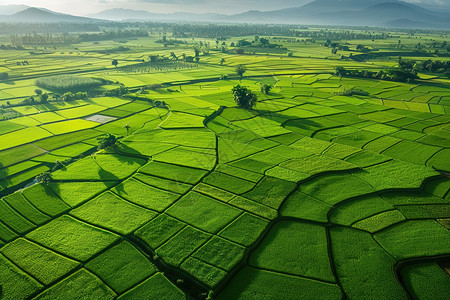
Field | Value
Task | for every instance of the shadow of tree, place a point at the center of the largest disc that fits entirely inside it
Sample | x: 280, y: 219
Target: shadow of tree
x: 124, y: 149
x: 106, y: 175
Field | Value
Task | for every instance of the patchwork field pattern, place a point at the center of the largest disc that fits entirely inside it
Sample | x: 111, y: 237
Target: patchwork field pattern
x: 310, y: 193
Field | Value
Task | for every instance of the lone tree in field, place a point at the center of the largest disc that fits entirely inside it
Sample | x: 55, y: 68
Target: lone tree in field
x: 115, y: 63
x: 244, y: 97
x: 266, y: 88
x: 38, y: 91
x: 107, y: 141
x: 44, y: 178
x: 240, y: 70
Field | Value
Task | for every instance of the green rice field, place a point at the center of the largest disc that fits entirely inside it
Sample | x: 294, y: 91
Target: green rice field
x: 313, y: 194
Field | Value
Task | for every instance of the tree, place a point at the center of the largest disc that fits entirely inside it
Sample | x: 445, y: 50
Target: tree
x: 44, y: 178
x: 43, y: 98
x: 107, y: 141
x: 240, y: 70
x: 38, y: 92
x: 244, y: 97
x: 115, y: 63
x: 266, y: 88
x: 222, y: 61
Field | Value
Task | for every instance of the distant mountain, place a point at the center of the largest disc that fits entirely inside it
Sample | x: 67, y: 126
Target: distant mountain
x: 7, y: 10
x: 121, y: 14
x: 36, y: 15
x: 387, y: 13
x: 321, y: 6
x: 352, y: 13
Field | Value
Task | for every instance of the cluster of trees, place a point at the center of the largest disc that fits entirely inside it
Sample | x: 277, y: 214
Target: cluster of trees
x: 266, y: 88
x: 66, y: 38
x: 11, y: 47
x: 107, y: 141
x: 244, y: 97
x: 353, y: 92
x: 433, y: 66
x: 336, y: 35
x: 117, y: 92
x: 164, y: 40
x: 25, y: 28
x: 39, y: 98
x: 398, y: 75
x: 71, y: 83
x: 223, y: 32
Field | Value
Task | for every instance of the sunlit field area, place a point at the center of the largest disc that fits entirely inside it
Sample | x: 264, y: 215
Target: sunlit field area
x: 129, y: 171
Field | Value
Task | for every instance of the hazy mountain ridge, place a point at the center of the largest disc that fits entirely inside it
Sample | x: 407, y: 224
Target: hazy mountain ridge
x: 38, y: 15
x: 390, y: 13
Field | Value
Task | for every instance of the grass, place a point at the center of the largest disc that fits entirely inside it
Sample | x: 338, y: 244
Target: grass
x: 324, y: 188
x: 79, y: 112
x: 43, y: 264
x: 75, y: 193
x: 121, y: 267
x: 355, y: 210
x: 361, y: 262
x: 14, y: 220
x: 295, y: 248
x: 203, y: 159
x: 220, y: 253
x: 302, y: 206
x: 15, y: 283
x: 250, y: 283
x: 270, y: 192
x: 229, y: 183
x: 22, y: 136
x: 420, y: 277
x: 207, y: 274
x: 380, y: 221
x: 173, y: 172
x: 109, y: 211
x: 81, y: 284
x: 105, y: 167
x: 155, y: 287
x: 412, y: 239
x: 179, y: 247
x: 72, y: 238
x: 68, y: 126
x: 19, y: 154
x: 164, y: 184
x: 59, y: 141
x: 145, y: 195
x: 214, y: 192
x: 66, y: 83
x: 245, y: 230
x: 6, y: 127
x: 43, y: 198
x: 239, y: 201
x: 159, y: 230
x: 18, y: 202
x: 203, y: 212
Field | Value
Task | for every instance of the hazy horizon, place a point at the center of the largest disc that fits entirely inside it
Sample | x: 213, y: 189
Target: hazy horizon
x: 86, y: 7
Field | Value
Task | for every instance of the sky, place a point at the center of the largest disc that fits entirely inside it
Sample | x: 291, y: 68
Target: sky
x: 85, y: 7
